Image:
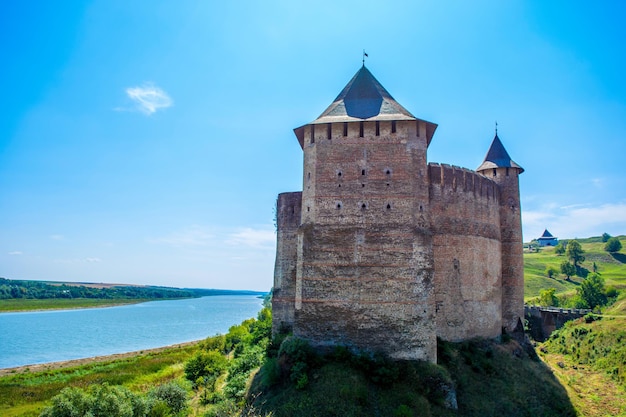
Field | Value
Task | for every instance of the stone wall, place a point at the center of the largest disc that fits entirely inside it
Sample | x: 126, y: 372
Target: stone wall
x: 288, y: 214
x: 467, y: 253
x: 364, y: 269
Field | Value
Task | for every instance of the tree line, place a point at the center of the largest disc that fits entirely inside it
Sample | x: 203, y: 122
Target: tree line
x: 11, y: 289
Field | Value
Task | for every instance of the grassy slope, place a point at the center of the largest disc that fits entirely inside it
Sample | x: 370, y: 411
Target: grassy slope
x: 490, y: 379
x: 26, y: 393
x: 589, y: 359
x: 611, y: 267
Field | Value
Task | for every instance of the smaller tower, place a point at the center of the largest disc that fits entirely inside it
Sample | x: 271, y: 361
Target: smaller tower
x: 499, y: 167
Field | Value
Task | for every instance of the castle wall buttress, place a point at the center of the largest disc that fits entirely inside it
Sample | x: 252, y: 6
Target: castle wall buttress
x: 365, y: 265
x: 465, y: 215
x: 288, y: 214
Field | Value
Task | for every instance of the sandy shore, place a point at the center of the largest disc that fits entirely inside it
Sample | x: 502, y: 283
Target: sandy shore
x: 96, y: 359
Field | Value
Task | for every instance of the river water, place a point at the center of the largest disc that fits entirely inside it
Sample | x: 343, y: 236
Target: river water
x: 49, y: 336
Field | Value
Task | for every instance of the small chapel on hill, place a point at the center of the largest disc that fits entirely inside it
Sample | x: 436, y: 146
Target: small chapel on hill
x: 384, y: 251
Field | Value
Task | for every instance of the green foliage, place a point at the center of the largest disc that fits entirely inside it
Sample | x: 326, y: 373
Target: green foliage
x: 551, y: 271
x: 548, y: 298
x: 605, y: 237
x: 599, y: 344
x: 11, y: 289
x: 172, y: 394
x: 99, y: 401
x: 591, y: 291
x: 567, y: 269
x: 613, y: 245
x: 575, y: 252
x: 205, y: 367
x: 560, y: 248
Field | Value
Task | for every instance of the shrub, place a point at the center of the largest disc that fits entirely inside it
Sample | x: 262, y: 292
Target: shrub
x: 551, y: 271
x: 171, y: 394
x: 205, y: 365
x: 613, y: 245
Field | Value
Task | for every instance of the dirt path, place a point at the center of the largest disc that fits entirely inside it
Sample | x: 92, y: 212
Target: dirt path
x: 96, y: 359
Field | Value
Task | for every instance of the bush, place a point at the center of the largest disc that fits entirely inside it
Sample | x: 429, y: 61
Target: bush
x: 551, y: 271
x: 205, y: 365
x: 171, y: 394
x: 613, y: 245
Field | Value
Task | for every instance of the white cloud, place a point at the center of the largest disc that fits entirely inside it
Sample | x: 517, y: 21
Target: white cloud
x: 78, y: 260
x: 57, y: 237
x: 576, y: 220
x: 16, y: 252
x: 256, y: 238
x: 148, y: 98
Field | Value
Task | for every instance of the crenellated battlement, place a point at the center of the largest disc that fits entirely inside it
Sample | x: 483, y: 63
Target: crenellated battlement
x: 455, y: 178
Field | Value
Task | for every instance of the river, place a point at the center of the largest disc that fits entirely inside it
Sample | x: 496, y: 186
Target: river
x: 36, y: 337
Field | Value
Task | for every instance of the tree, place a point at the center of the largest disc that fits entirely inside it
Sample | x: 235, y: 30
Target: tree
x: 605, y: 237
x: 575, y: 252
x: 613, y: 245
x: 591, y: 291
x: 551, y: 271
x: 567, y: 269
x: 206, y: 367
x: 559, y: 249
x: 547, y: 298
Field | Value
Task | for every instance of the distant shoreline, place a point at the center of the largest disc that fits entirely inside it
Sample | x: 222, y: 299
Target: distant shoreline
x: 49, y: 366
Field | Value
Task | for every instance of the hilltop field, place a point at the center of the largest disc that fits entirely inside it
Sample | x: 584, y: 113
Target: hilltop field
x: 610, y: 266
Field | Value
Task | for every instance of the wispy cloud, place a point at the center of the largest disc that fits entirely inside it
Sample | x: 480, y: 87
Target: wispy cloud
x: 57, y: 237
x: 16, y: 253
x: 575, y: 220
x: 89, y: 260
x: 256, y: 238
x: 147, y: 98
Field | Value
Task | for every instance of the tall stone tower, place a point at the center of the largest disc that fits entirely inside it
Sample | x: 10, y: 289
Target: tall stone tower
x: 364, y: 264
x: 499, y: 167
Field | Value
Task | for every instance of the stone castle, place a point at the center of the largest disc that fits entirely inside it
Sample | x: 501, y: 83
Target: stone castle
x: 383, y: 251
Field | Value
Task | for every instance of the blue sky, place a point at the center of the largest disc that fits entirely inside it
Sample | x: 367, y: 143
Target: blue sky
x: 145, y: 142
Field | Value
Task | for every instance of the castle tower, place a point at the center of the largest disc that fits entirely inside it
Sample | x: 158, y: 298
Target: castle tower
x: 364, y: 265
x: 499, y: 167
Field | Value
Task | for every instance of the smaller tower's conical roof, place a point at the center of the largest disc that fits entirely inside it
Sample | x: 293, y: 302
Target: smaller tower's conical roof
x: 547, y: 234
x: 498, y: 157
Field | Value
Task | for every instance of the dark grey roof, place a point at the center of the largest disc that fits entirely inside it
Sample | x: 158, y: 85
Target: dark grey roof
x: 364, y: 98
x: 498, y: 157
x: 546, y: 235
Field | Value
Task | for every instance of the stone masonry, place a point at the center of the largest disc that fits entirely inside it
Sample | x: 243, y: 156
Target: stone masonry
x: 382, y: 251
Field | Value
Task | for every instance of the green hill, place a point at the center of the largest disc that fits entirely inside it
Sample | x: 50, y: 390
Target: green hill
x: 612, y: 268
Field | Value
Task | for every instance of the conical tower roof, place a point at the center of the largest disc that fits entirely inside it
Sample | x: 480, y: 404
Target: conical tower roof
x: 547, y: 234
x: 498, y: 157
x: 365, y: 99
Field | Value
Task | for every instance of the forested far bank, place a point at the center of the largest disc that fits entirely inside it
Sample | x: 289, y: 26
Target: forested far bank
x: 41, y: 290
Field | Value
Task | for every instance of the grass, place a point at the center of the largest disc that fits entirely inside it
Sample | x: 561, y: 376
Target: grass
x: 488, y: 378
x: 589, y: 359
x: 26, y: 393
x: 28, y: 304
x: 612, y: 267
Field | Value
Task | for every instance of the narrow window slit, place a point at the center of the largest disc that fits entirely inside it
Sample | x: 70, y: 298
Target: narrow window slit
x: 393, y: 126
x: 377, y: 128
x: 329, y: 131
x: 345, y: 128
x: 361, y: 129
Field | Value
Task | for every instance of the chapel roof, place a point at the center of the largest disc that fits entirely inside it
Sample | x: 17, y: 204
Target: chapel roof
x: 365, y: 99
x: 546, y: 235
x: 498, y: 157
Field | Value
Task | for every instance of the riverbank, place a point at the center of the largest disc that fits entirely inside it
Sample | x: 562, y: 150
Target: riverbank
x: 53, y: 366
x: 21, y: 305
